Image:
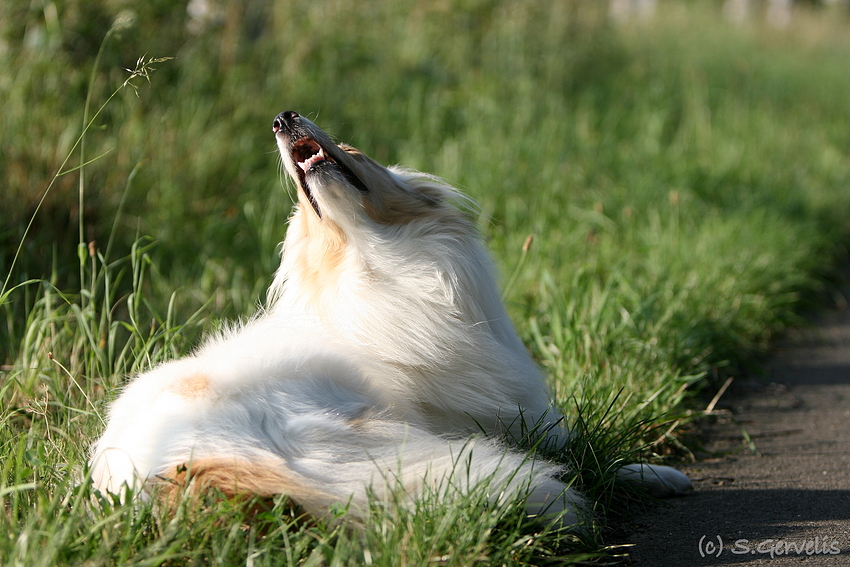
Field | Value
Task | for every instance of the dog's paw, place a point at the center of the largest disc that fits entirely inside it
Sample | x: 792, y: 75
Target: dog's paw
x: 659, y: 481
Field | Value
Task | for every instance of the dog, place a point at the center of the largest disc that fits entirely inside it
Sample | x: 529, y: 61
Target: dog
x: 381, y: 356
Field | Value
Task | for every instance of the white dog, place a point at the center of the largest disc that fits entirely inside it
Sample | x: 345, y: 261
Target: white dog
x: 383, y: 350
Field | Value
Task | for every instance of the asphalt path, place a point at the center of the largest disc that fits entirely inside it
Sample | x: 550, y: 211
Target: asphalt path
x: 773, y: 485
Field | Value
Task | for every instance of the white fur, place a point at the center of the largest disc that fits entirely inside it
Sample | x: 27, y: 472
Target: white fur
x: 383, y: 350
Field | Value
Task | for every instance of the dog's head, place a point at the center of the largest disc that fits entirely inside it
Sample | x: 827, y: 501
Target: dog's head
x: 356, y: 216
x: 337, y: 181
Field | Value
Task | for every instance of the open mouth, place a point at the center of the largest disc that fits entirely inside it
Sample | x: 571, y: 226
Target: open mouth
x: 307, y: 153
x: 310, y: 157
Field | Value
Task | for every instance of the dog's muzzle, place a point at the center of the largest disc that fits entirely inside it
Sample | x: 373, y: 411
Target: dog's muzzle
x: 285, y: 121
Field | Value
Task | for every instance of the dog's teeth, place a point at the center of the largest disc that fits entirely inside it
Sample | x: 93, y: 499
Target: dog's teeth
x: 312, y: 160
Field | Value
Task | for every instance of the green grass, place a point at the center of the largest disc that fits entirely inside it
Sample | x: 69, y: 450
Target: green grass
x: 685, y: 182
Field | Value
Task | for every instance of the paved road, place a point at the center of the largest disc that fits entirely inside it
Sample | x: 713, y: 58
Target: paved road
x: 783, y: 498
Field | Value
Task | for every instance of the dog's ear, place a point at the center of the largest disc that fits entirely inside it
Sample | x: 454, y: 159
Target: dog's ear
x: 387, y: 198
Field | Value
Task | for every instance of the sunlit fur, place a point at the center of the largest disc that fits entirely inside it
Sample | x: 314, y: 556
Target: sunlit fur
x: 382, y: 355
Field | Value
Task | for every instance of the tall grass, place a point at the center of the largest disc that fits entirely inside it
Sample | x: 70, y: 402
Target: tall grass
x: 685, y: 184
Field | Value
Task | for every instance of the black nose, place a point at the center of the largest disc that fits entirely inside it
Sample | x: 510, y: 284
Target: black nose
x: 283, y: 120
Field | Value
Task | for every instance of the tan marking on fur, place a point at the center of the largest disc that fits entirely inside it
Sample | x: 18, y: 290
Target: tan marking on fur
x: 237, y: 479
x: 232, y: 477
x: 324, y: 253
x: 397, y: 209
x: 194, y: 386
